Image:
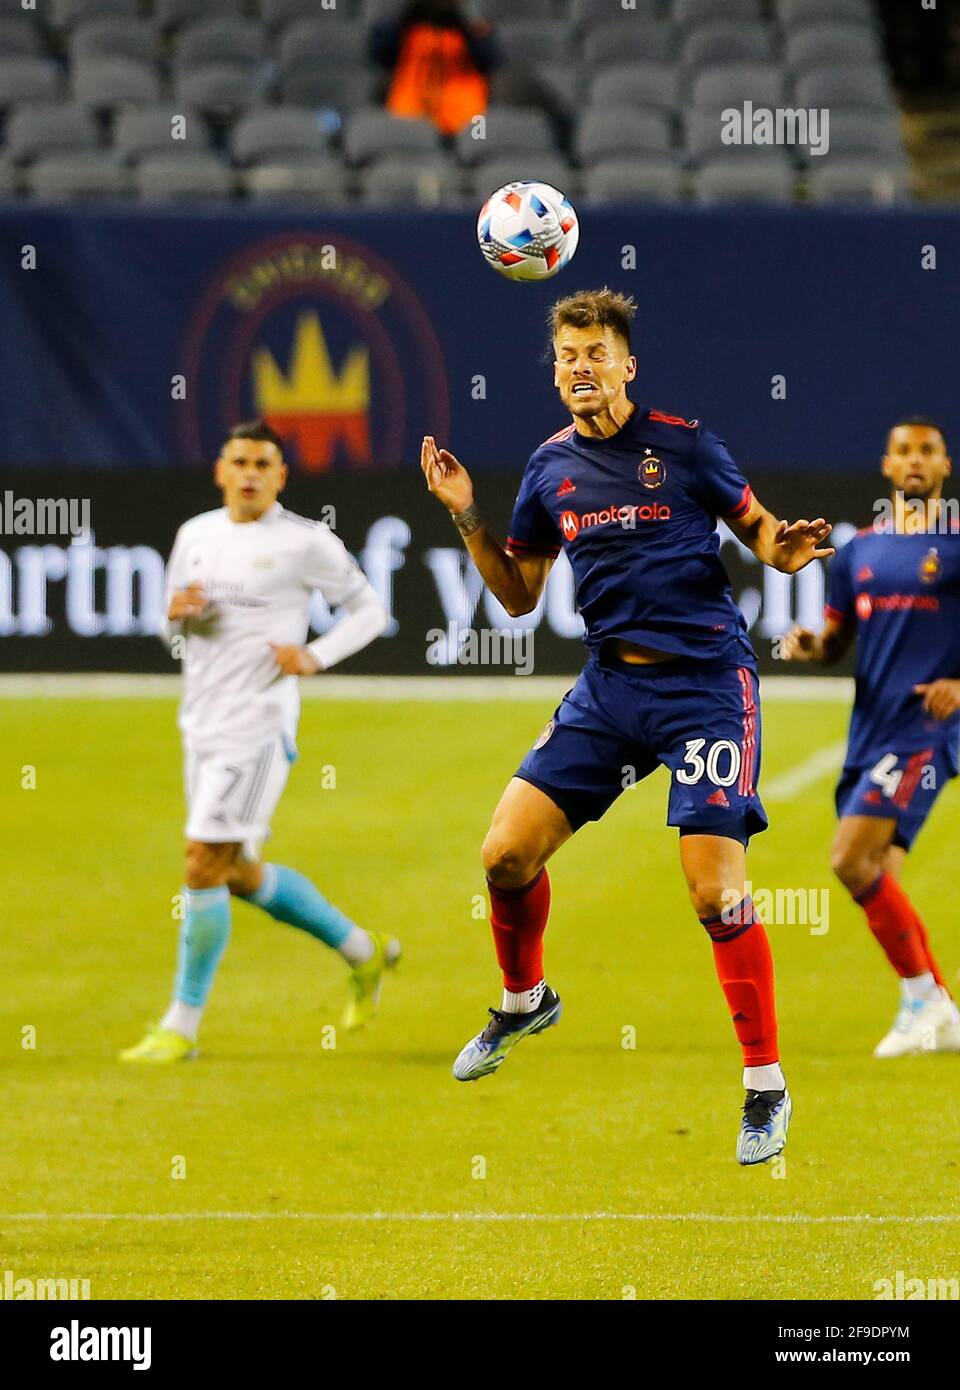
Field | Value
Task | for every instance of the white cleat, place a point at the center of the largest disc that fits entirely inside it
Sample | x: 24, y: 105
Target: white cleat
x: 922, y: 1025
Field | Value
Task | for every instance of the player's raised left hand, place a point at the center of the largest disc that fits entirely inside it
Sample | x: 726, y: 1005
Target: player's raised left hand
x: 940, y: 698
x: 295, y: 661
x: 797, y: 543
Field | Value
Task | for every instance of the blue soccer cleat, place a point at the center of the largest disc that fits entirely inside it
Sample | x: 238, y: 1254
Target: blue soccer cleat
x: 488, y: 1050
x: 763, y: 1129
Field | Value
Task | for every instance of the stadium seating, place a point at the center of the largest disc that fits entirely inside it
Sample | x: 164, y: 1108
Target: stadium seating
x: 283, y: 89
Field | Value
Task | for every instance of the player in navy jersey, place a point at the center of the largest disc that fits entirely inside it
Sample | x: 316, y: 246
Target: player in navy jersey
x: 895, y: 590
x: 632, y: 496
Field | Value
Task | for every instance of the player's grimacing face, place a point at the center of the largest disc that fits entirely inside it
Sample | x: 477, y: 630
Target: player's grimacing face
x: 251, y: 474
x: 591, y: 368
x: 916, y: 461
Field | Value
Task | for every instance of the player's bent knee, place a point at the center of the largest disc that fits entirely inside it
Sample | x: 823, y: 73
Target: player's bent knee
x: 711, y: 898
x: 205, y: 866
x: 506, y: 865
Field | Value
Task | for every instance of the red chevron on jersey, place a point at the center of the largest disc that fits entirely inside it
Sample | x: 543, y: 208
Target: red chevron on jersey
x: 560, y: 436
x: 673, y: 420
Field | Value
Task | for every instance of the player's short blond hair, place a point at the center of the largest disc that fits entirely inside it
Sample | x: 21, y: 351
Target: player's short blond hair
x: 604, y: 308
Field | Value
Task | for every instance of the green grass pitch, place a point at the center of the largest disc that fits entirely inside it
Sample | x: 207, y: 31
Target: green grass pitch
x: 360, y: 1171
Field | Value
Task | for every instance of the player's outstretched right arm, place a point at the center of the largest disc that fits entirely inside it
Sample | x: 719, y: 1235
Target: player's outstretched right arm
x: 829, y: 645
x: 517, y: 581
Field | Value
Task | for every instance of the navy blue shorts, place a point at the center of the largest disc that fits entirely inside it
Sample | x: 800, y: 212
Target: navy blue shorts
x: 896, y: 785
x: 620, y: 722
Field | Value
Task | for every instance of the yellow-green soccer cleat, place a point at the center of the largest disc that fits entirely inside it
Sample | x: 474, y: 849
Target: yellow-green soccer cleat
x: 366, y: 982
x: 161, y: 1045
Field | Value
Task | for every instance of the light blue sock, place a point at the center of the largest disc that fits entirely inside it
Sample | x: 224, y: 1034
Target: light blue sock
x: 203, y: 939
x: 292, y: 898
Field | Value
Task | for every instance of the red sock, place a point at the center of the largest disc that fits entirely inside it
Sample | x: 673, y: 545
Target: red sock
x: 932, y: 965
x: 518, y: 917
x: 896, y: 926
x: 744, y: 964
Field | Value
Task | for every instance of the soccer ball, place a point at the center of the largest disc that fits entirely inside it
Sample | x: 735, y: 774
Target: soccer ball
x: 528, y: 230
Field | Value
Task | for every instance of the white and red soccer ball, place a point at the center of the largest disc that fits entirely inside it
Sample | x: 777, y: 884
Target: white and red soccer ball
x: 528, y: 230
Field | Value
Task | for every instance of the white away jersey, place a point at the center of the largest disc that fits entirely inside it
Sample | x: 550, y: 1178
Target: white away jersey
x: 257, y: 577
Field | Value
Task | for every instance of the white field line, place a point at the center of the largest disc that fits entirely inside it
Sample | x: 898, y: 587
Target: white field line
x: 789, y: 784
x: 332, y: 1217
x: 87, y: 686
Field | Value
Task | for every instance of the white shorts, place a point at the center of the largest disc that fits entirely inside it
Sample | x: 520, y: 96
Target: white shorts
x: 232, y: 794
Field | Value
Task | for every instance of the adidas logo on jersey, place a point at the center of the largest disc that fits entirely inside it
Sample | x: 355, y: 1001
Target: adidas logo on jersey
x: 566, y: 487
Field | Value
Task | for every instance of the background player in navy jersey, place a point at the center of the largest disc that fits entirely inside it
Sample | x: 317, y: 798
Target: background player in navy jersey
x: 896, y: 590
x: 633, y: 496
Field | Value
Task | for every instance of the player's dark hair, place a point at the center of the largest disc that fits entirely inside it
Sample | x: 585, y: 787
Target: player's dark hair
x: 257, y: 430
x: 594, y: 308
x: 922, y: 421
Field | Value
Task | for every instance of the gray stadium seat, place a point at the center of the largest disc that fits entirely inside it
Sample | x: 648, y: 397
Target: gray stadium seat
x: 826, y: 45
x: 548, y: 86
x: 343, y: 87
x: 584, y: 13
x: 624, y: 41
x: 191, y: 176
x: 647, y: 85
x: 606, y: 131
x: 65, y: 178
x: 370, y: 133
x: 652, y: 179
x: 728, y: 42
x: 221, y: 86
x: 794, y: 13
x: 508, y: 130
x: 320, y: 41
x: 276, y: 133
x: 691, y: 12
x: 864, y: 132
x: 402, y: 181
x: 10, y: 178
x: 544, y: 168
x: 753, y: 176
x: 38, y: 128
x: 857, y: 180
x: 496, y: 11
x: 29, y: 79
x: 224, y: 40
x: 734, y: 83
x: 117, y: 36
x: 70, y: 12
x: 20, y: 36
x: 142, y: 130
x: 113, y: 81
x: 170, y: 12
x: 320, y: 182
x: 836, y: 87
x: 534, y: 41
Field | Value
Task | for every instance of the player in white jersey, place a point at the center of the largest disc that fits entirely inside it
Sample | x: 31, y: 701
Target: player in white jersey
x: 239, y: 585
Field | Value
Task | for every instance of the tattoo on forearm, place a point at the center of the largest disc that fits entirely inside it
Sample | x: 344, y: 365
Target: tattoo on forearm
x: 467, y: 521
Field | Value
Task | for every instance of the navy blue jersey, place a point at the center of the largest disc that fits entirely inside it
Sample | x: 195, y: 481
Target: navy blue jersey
x: 637, y: 517
x: 903, y: 594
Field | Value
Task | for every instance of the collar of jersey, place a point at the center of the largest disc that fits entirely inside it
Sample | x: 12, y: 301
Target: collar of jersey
x: 270, y: 514
x: 624, y: 434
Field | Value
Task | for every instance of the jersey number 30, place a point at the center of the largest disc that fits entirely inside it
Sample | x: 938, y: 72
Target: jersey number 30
x: 696, y: 766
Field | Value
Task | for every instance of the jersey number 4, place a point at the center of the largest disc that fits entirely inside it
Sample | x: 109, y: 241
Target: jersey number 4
x: 884, y: 776
x: 696, y: 766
